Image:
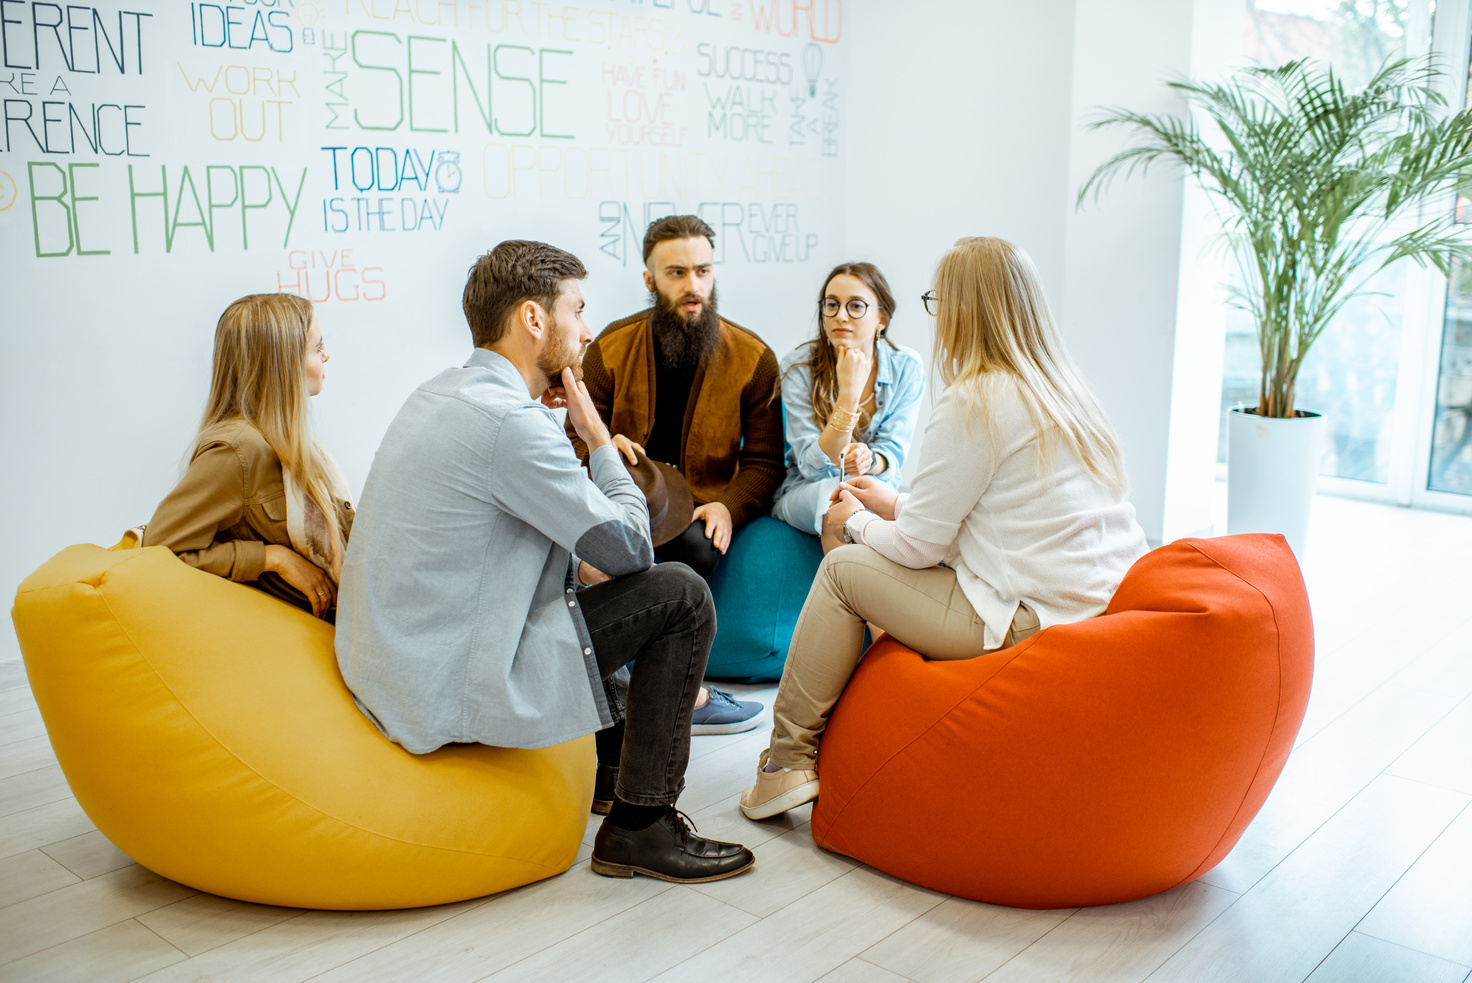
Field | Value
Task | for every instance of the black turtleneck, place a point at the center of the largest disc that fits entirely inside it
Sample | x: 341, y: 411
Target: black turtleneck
x: 671, y: 397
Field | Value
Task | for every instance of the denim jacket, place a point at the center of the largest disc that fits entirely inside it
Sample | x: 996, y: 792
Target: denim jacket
x: 458, y: 618
x: 899, y: 383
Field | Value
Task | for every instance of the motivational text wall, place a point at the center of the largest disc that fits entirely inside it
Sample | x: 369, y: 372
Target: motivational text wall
x: 159, y: 159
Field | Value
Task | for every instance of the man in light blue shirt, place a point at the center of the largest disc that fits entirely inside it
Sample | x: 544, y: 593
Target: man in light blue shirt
x: 492, y: 585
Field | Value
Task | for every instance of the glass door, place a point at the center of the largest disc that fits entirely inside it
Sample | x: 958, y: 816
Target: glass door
x: 1450, y: 468
x: 1445, y: 461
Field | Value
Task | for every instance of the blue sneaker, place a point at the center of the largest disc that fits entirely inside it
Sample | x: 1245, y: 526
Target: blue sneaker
x: 724, y: 714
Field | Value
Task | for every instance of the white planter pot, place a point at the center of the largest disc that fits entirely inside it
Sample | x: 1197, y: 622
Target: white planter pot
x: 1272, y: 471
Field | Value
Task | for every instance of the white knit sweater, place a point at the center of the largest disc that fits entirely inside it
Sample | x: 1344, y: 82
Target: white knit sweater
x: 1053, y: 536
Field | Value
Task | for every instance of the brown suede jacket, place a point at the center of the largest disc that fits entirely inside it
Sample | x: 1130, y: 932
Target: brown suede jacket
x: 731, y: 448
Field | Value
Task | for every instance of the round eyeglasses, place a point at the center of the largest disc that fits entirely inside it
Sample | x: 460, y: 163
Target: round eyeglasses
x: 856, y: 308
x: 931, y: 302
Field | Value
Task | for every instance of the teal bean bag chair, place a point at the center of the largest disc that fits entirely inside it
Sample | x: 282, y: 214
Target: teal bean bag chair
x: 759, y: 589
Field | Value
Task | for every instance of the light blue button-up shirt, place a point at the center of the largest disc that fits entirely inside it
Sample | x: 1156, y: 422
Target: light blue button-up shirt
x: 457, y: 618
x: 899, y: 382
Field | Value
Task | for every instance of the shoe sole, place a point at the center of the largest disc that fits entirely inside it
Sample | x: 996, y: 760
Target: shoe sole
x: 778, y: 804
x: 601, y: 806
x: 734, y: 727
x: 621, y: 870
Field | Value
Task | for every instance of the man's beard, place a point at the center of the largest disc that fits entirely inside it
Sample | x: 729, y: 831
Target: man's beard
x: 684, y: 341
x: 558, y: 355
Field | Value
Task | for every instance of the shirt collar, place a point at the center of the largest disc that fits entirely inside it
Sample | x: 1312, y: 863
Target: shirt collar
x: 497, y: 364
x: 486, y: 359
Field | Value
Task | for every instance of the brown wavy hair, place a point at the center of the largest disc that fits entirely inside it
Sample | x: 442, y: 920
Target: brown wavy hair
x: 676, y: 227
x: 517, y: 270
x: 822, y: 360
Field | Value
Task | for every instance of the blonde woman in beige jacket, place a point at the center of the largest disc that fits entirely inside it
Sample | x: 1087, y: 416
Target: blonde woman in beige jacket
x: 261, y: 502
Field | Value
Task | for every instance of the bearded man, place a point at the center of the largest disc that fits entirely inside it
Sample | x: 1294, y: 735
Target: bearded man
x: 683, y: 385
x: 463, y: 611
x: 689, y: 388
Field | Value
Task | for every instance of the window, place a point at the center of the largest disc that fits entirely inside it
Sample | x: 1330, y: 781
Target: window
x: 1393, y: 373
x: 1350, y: 374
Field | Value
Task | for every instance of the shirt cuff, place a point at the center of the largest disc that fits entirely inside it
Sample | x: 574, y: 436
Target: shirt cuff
x: 900, y: 502
x: 250, y: 561
x: 857, y: 523
x: 600, y: 463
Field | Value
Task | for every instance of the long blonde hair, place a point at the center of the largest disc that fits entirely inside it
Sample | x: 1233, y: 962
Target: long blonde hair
x: 993, y: 319
x: 259, y: 376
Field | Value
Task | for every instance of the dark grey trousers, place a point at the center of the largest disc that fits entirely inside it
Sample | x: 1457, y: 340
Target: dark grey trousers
x: 692, y: 549
x: 663, y: 620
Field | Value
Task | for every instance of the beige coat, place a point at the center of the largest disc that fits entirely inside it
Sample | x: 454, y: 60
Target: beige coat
x: 228, y: 506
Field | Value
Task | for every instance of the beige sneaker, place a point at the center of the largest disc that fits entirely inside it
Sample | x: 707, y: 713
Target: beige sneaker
x: 776, y: 792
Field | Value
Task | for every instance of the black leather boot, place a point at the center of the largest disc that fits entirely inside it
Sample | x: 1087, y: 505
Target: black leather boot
x: 669, y: 850
x: 605, y: 780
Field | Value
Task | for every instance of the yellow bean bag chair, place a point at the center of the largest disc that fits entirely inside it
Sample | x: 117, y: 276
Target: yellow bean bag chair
x: 205, y: 729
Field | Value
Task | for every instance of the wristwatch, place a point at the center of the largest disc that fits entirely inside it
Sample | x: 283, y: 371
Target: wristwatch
x: 847, y: 536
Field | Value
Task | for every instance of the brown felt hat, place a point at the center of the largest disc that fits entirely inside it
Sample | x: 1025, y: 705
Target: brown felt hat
x: 671, y: 506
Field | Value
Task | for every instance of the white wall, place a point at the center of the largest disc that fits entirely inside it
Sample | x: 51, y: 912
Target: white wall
x: 961, y: 126
x: 1152, y: 351
x: 987, y: 138
x: 106, y: 356
x: 954, y: 118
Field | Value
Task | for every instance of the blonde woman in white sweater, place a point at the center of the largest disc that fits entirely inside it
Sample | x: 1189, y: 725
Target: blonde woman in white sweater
x: 1018, y: 519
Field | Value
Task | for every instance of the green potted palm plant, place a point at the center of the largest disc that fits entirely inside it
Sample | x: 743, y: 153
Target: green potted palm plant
x: 1317, y: 186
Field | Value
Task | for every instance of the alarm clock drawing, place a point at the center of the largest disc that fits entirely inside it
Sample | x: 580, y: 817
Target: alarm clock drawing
x: 447, y: 174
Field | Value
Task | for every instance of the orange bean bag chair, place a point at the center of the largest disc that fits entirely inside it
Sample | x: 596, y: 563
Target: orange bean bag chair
x: 1096, y: 762
x: 205, y: 728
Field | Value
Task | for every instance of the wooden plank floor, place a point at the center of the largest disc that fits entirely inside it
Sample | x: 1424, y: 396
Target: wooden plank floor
x: 1359, y: 867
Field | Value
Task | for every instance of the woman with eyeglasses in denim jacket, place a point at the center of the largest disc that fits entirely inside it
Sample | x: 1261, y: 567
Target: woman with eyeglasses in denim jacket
x: 849, y: 397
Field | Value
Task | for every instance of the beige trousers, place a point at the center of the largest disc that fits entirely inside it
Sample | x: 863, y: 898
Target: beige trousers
x: 924, y: 609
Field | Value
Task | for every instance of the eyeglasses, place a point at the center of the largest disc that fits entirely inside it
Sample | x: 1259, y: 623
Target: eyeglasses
x: 931, y: 302
x: 856, y: 308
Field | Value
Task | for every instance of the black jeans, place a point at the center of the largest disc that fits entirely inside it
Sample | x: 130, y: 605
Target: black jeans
x: 665, y: 621
x: 692, y: 549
